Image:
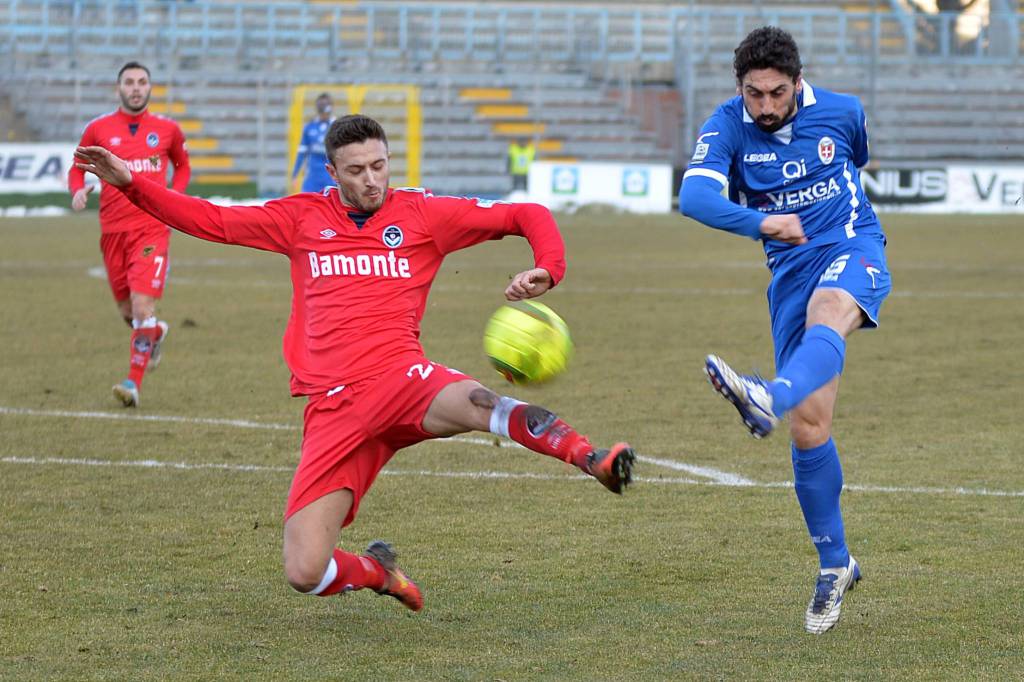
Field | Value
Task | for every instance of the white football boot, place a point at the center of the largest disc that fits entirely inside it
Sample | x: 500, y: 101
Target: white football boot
x: 823, y: 611
x: 748, y: 394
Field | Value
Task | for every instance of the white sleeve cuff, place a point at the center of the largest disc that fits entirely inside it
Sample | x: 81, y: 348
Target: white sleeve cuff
x: 707, y: 173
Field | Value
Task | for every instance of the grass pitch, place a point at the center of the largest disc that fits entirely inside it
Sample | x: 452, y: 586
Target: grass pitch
x: 148, y: 547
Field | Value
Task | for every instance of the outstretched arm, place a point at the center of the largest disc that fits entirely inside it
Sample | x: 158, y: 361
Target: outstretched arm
x: 266, y: 227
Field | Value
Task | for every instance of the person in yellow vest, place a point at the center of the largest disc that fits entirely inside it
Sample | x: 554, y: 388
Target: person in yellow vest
x: 520, y: 156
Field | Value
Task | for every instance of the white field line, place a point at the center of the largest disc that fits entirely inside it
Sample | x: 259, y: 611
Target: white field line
x: 142, y: 463
x: 713, y: 476
x: 124, y: 416
x: 723, y: 477
x: 491, y: 475
x: 256, y: 468
x: 705, y: 472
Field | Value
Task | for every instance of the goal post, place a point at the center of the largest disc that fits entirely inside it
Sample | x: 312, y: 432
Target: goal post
x: 395, y: 106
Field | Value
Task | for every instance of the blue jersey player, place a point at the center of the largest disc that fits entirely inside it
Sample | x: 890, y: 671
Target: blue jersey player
x: 311, y: 148
x: 790, y: 155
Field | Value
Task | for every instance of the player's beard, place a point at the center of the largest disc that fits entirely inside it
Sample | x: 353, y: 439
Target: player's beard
x: 366, y: 204
x: 125, y: 103
x: 770, y: 124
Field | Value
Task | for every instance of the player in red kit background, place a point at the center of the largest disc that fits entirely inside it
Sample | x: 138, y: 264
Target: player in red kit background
x: 363, y: 257
x: 134, y: 243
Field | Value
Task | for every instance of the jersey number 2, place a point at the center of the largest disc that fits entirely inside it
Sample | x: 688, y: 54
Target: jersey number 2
x: 424, y: 372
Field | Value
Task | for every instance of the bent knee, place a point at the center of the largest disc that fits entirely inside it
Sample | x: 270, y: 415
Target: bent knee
x: 806, y: 434
x: 303, y: 575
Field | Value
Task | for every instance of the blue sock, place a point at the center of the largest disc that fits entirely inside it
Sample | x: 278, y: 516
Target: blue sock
x: 817, y: 359
x: 818, y: 480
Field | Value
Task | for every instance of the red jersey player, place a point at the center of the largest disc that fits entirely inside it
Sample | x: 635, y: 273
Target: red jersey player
x: 134, y: 244
x: 363, y: 258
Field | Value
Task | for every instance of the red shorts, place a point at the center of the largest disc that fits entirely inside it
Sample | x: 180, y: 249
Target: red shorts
x: 136, y: 260
x: 349, y: 436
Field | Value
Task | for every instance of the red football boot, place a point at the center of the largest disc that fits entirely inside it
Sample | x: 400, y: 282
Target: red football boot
x: 612, y: 467
x: 397, y: 583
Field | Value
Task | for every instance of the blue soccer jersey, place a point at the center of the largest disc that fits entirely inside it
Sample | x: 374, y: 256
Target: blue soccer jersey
x: 809, y: 167
x: 311, y: 152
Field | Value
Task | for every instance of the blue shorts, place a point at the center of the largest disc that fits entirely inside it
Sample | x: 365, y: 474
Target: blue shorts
x: 857, y: 266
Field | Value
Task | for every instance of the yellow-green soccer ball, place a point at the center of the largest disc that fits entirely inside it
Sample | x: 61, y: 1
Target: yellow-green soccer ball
x: 527, y: 342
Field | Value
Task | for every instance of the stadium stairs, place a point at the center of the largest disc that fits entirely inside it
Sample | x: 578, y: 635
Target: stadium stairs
x: 237, y: 122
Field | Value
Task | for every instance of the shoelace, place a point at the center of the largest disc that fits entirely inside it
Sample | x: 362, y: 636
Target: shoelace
x: 756, y: 378
x: 822, y: 590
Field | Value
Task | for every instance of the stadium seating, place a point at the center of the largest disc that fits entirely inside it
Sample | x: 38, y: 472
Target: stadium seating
x: 237, y: 124
x: 584, y: 81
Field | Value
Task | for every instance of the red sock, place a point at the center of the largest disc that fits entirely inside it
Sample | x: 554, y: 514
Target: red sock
x: 353, y: 573
x: 543, y: 432
x: 143, y: 339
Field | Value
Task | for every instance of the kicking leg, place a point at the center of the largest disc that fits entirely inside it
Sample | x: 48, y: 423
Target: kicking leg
x: 469, y: 406
x: 832, y: 315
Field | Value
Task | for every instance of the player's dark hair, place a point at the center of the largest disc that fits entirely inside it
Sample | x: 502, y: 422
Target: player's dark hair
x: 132, y: 65
x: 323, y: 95
x: 768, y: 47
x: 352, y: 129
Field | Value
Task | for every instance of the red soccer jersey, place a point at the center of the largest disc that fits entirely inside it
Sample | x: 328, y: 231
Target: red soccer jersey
x: 147, y: 142
x: 358, y: 292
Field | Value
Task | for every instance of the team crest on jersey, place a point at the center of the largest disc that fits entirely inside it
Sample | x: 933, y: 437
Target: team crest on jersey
x: 393, y: 236
x: 152, y: 139
x: 826, y: 150
x: 328, y: 233
x: 115, y: 141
